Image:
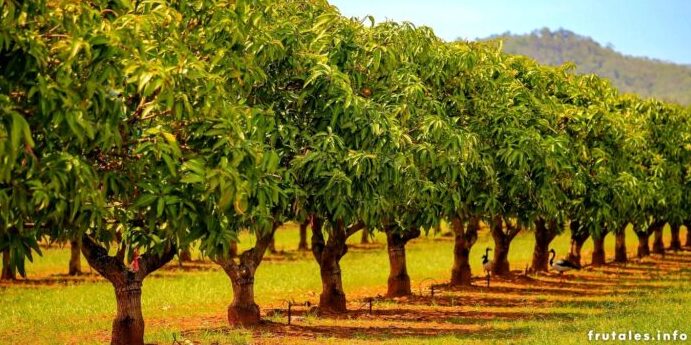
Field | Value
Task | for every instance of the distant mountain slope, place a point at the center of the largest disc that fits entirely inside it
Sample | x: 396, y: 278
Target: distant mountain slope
x: 646, y: 77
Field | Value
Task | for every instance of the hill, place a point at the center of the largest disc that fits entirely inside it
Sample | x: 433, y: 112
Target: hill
x: 643, y: 76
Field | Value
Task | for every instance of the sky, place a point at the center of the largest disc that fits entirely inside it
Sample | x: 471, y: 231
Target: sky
x: 659, y: 29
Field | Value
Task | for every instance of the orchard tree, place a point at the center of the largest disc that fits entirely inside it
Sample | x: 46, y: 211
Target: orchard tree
x: 595, y: 135
x: 122, y: 97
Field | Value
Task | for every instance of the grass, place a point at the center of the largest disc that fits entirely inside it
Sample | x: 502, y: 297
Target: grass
x: 191, y: 305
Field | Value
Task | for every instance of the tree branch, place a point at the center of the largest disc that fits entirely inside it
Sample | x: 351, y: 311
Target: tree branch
x: 354, y: 228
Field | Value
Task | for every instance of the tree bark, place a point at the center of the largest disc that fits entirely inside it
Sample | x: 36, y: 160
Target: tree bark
x: 620, y: 246
x: 675, y: 243
x: 7, y: 273
x: 643, y: 244
x: 186, y: 255
x: 658, y: 244
x: 578, y: 238
x: 75, y: 266
x: 128, y: 325
x: 598, y: 257
x: 544, y: 234
x: 302, y: 246
x: 399, y: 281
x: 365, y: 236
x: 502, y: 242
x: 464, y: 239
x: 243, y: 310
x: 328, y: 255
x: 272, y: 246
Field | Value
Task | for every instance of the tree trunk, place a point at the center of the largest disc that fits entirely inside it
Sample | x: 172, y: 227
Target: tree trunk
x: 578, y: 238
x: 75, y: 267
x: 643, y: 244
x: 328, y: 255
x: 675, y: 243
x: 543, y: 237
x: 463, y: 242
x: 7, y: 273
x: 687, y: 224
x: 365, y: 236
x: 620, y: 246
x: 128, y: 325
x: 399, y: 281
x: 302, y: 246
x: 598, y: 258
x: 186, y: 255
x: 332, y: 298
x: 502, y: 242
x: 272, y: 246
x: 658, y: 244
x: 243, y: 310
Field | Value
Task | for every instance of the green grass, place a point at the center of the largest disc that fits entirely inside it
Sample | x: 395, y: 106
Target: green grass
x: 197, y: 300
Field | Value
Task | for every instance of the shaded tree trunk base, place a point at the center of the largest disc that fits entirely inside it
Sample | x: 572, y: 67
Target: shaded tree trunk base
x: 502, y: 242
x: 675, y: 243
x: 328, y: 255
x: 398, y: 283
x: 365, y: 237
x: 643, y: 245
x: 598, y: 257
x: 332, y: 303
x: 7, y: 273
x: 128, y: 325
x: 658, y: 244
x: 244, y: 315
x: 620, y: 247
x: 186, y: 255
x: 464, y: 239
x: 543, y: 237
x: 243, y: 311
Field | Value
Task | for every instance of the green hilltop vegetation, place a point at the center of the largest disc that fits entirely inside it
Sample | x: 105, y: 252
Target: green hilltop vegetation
x: 643, y: 76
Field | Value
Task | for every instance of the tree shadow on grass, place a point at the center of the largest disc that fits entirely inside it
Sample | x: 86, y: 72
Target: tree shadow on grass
x: 59, y: 279
x: 370, y: 332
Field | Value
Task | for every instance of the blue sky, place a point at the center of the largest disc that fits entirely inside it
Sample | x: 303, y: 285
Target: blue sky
x: 657, y: 29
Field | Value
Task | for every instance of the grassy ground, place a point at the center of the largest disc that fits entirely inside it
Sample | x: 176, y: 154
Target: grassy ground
x: 189, y: 303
